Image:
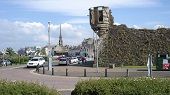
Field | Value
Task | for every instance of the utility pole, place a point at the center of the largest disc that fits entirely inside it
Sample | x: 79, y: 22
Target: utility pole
x: 49, y: 50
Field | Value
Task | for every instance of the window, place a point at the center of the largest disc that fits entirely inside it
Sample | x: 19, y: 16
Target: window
x: 100, y: 15
x: 34, y: 59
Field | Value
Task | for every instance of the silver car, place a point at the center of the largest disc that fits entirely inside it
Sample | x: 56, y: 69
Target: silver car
x: 64, y: 61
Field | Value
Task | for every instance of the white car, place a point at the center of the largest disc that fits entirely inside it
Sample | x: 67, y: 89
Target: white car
x: 74, y: 60
x: 35, y: 61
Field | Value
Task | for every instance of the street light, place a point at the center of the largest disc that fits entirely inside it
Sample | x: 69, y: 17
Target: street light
x: 49, y: 50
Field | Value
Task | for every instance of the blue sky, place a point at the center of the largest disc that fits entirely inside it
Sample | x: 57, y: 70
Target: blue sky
x: 24, y: 22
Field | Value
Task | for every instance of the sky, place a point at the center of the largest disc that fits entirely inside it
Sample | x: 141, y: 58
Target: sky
x: 24, y: 23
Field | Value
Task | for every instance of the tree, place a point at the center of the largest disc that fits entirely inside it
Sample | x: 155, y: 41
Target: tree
x: 22, y: 51
x: 10, y: 51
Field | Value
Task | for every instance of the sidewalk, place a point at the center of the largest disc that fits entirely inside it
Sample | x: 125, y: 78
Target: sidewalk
x: 79, y: 71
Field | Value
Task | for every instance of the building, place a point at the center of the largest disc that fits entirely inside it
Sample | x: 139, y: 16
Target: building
x: 33, y: 51
x: 74, y: 50
x: 87, y: 49
x: 59, y: 49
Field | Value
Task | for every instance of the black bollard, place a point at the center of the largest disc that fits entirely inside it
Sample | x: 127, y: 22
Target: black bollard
x: 52, y: 71
x: 127, y: 73
x: 85, y: 73
x: 105, y: 72
x: 37, y: 69
x: 66, y: 72
x: 43, y: 70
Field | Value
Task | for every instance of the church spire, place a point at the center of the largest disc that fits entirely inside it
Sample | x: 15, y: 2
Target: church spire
x: 60, y: 38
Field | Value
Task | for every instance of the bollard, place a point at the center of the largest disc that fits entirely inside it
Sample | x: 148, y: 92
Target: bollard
x: 52, y: 71
x: 37, y: 68
x: 127, y: 73
x: 105, y: 72
x: 43, y: 70
x: 85, y: 73
x: 66, y: 72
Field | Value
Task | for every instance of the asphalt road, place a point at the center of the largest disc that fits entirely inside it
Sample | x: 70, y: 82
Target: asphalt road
x: 62, y: 83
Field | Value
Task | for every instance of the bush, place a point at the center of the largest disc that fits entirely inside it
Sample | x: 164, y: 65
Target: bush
x: 18, y: 59
x: 123, y: 86
x: 24, y: 88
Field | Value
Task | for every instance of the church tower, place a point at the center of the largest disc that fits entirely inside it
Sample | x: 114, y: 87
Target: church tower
x: 60, y: 38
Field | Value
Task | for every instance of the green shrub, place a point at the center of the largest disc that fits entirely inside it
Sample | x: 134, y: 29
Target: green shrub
x: 123, y: 86
x: 24, y: 88
x: 18, y: 59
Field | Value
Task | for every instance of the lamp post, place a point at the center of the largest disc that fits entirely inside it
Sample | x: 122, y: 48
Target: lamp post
x: 49, y: 49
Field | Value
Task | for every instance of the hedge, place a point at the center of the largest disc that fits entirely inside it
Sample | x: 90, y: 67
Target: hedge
x: 123, y: 86
x: 19, y: 59
x: 24, y: 88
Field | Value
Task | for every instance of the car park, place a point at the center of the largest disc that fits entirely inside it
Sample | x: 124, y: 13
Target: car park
x: 36, y: 61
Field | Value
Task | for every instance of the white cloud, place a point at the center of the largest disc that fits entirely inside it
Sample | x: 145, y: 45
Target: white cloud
x: 137, y: 27
x: 19, y: 34
x: 72, y: 34
x: 79, y: 21
x: 159, y: 26
x: 43, y: 37
x: 116, y: 23
x: 29, y: 27
x: 80, y: 7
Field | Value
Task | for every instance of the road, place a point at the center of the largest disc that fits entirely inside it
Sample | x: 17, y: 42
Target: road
x: 62, y: 83
x: 21, y: 73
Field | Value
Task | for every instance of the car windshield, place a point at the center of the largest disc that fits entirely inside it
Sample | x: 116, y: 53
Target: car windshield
x: 62, y: 59
x: 34, y: 59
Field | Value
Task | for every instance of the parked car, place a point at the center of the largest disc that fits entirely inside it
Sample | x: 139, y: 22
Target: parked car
x: 6, y: 62
x: 74, y: 60
x: 35, y: 61
x: 64, y: 61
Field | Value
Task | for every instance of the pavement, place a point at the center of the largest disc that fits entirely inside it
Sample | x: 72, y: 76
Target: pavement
x: 65, y: 84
